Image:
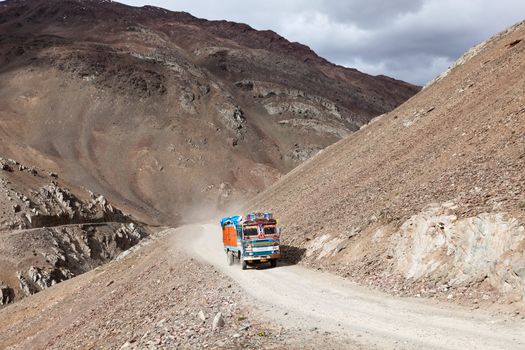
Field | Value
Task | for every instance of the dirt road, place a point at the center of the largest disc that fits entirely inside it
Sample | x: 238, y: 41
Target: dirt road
x: 298, y: 297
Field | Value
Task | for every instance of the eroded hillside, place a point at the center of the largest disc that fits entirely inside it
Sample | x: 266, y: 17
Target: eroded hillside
x: 167, y: 113
x: 50, y: 233
x: 429, y: 199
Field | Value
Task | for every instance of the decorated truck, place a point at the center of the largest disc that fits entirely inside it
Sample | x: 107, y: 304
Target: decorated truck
x: 251, y: 239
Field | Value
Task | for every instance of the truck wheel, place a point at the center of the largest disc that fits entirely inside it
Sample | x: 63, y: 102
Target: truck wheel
x: 244, y: 264
x: 273, y: 262
x: 230, y: 258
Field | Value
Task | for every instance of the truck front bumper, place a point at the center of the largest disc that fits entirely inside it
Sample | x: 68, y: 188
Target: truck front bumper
x: 262, y: 258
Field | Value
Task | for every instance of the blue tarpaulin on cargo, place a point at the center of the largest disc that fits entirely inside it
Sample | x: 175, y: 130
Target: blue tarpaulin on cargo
x: 231, y: 220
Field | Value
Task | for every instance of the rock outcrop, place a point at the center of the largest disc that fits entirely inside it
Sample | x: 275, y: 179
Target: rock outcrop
x: 6, y: 295
x: 462, y: 252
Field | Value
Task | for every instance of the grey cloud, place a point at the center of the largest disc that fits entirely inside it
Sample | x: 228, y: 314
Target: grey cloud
x: 371, y: 13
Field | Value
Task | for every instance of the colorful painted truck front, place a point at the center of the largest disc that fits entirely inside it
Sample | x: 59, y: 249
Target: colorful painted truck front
x: 251, y: 239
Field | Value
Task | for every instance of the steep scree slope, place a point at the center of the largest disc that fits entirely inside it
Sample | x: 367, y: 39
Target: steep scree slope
x: 167, y: 112
x: 428, y: 199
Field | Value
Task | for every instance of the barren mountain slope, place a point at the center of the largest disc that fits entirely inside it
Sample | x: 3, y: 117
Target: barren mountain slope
x: 428, y: 199
x: 166, y: 112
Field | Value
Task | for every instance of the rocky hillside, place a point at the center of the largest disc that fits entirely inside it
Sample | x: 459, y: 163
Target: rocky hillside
x: 429, y: 199
x: 164, y: 112
x: 49, y: 233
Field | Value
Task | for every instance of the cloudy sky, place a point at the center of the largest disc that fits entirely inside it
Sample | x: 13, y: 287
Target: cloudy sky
x: 413, y: 40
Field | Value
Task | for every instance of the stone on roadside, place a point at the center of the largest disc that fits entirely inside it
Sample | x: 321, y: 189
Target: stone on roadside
x: 201, y: 316
x: 218, y: 321
x: 126, y: 345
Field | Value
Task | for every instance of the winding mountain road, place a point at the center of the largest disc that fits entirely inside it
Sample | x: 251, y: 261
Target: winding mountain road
x: 299, y: 297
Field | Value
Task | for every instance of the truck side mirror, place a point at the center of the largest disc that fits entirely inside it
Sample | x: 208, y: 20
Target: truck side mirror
x: 278, y: 230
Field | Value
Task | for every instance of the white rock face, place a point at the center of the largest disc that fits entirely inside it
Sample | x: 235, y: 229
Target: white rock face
x: 297, y: 108
x: 490, y: 245
x: 324, y: 246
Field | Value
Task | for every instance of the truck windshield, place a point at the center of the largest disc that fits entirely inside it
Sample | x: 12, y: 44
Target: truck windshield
x: 250, y: 231
x: 269, y: 230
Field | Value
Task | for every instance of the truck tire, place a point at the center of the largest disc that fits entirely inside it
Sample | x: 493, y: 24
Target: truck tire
x: 229, y: 258
x: 273, y: 262
x: 244, y: 264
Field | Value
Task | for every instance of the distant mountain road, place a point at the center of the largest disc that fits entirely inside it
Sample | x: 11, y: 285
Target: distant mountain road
x: 298, y: 297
